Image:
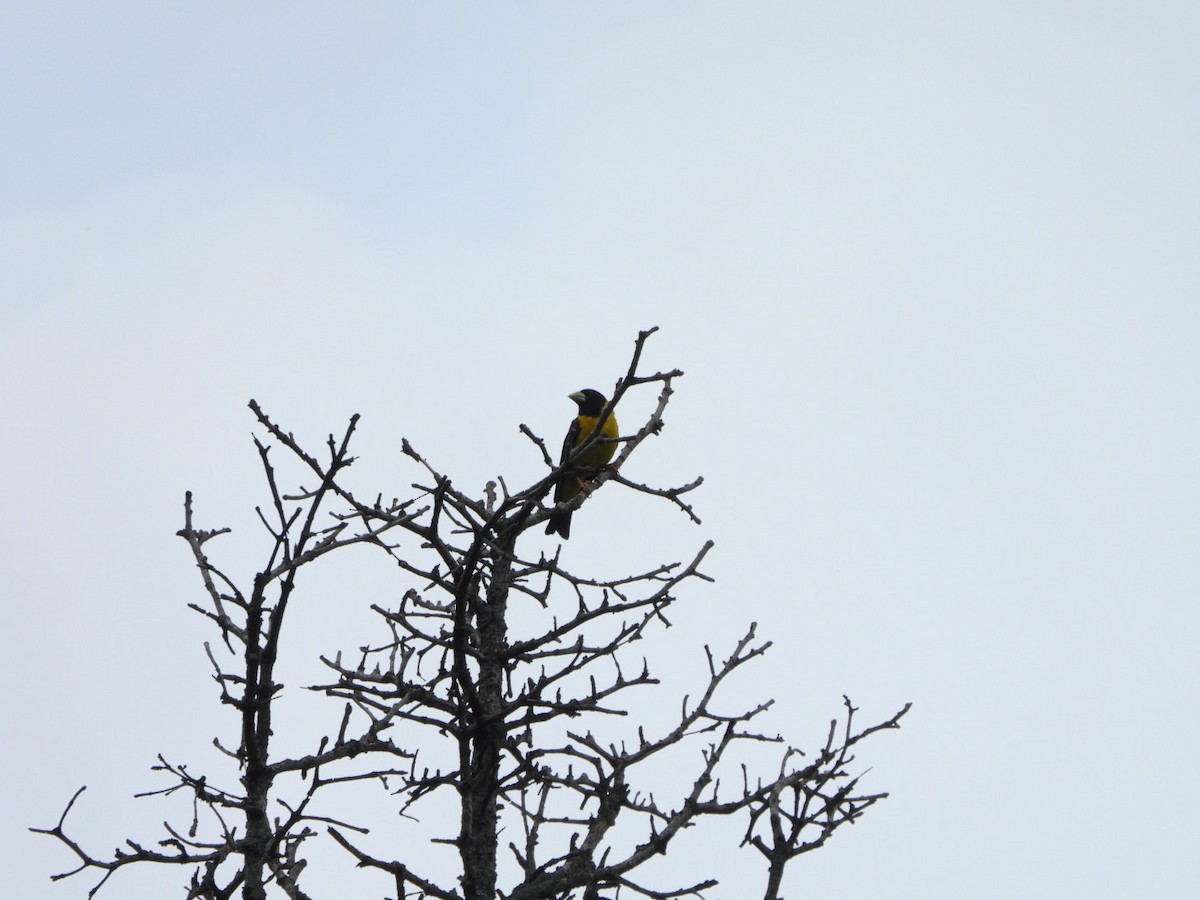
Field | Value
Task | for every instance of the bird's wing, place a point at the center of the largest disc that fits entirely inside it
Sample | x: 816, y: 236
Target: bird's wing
x: 569, y: 443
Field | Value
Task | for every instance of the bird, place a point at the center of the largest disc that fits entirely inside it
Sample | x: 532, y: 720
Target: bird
x: 592, y: 406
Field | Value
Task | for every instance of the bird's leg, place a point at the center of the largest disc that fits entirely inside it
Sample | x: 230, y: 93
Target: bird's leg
x: 587, y: 485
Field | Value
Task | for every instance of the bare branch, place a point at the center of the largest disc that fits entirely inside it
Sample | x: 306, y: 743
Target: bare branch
x: 522, y: 720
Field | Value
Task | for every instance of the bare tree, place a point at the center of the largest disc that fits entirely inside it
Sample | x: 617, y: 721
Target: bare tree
x: 516, y: 727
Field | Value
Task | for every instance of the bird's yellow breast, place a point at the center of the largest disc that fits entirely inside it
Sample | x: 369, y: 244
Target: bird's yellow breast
x: 602, y: 451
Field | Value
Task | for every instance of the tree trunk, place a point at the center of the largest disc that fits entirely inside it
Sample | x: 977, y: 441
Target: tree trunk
x: 479, y: 791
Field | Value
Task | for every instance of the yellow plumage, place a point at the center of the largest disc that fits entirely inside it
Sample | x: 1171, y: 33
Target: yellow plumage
x: 592, y: 407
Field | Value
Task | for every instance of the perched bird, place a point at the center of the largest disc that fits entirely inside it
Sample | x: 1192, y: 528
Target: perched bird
x: 591, y: 407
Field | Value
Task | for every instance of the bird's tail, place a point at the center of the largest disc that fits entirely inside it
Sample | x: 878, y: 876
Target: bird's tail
x: 560, y: 524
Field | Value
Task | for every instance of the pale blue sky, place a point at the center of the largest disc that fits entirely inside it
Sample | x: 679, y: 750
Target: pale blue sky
x: 931, y: 270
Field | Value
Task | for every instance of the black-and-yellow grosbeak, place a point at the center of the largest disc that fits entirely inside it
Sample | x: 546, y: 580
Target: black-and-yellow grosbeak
x: 591, y: 408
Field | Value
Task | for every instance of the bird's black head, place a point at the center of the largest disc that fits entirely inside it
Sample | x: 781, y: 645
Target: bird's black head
x: 591, y: 403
